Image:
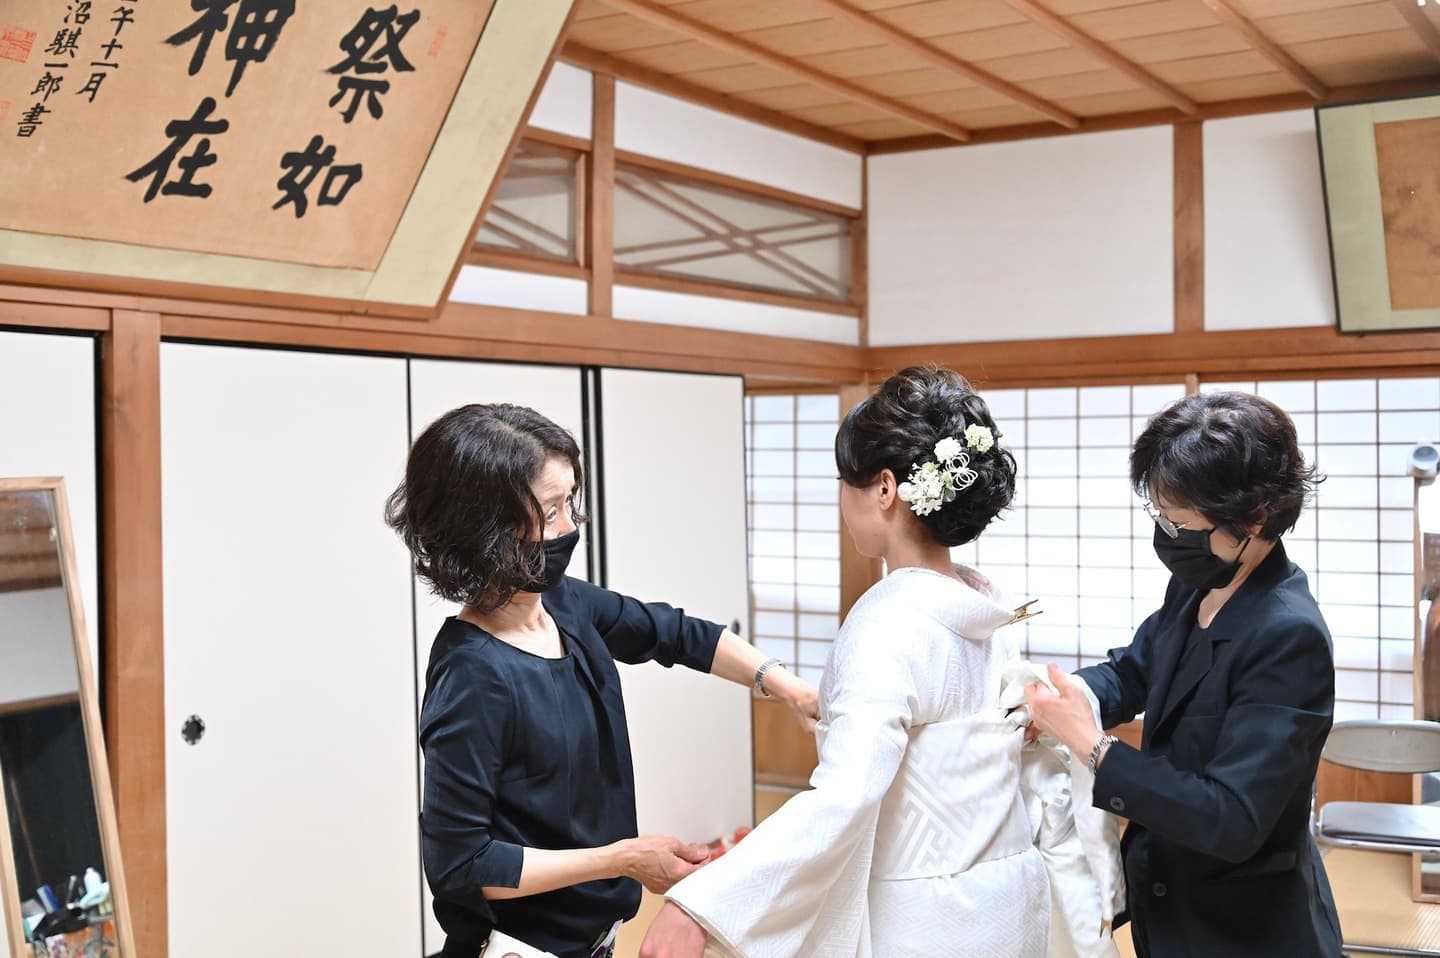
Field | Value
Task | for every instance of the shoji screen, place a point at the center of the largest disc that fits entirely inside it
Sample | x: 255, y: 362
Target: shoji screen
x: 47, y: 428
x: 288, y: 631
x: 435, y: 388
x: 674, y: 506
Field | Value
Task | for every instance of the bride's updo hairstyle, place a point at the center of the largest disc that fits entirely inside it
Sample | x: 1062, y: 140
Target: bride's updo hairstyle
x: 897, y: 429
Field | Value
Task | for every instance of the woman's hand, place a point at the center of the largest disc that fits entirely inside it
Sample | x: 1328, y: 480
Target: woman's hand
x: 798, y: 694
x: 659, y: 861
x: 673, y: 934
x: 1065, y: 713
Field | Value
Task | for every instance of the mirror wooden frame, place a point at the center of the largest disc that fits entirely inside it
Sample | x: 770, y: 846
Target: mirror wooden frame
x: 94, y: 741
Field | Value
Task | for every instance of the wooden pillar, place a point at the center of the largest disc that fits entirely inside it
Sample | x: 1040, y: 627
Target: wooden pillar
x: 1189, y: 228
x: 601, y: 194
x: 134, y: 654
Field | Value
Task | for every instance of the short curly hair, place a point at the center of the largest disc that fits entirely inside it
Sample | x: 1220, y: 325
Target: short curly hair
x: 1232, y: 457
x: 898, y: 427
x: 465, y: 509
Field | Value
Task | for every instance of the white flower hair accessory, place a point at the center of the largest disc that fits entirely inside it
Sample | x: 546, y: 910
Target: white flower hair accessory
x: 932, y: 484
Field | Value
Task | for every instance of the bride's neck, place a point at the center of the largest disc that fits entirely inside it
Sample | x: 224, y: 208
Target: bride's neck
x: 919, y: 551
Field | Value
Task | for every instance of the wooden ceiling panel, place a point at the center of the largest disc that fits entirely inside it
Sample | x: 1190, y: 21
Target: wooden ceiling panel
x: 838, y: 114
x: 811, y: 38
x: 1105, y: 103
x: 1338, y: 22
x: 744, y: 16
x: 949, y: 102
x: 854, y: 64
x: 1205, y: 69
x: 797, y: 96
x: 740, y: 78
x: 1258, y: 9
x: 893, y: 129
x: 618, y: 33
x: 937, y: 18
x: 1185, y: 45
x: 916, y: 82
x: 1038, y: 66
x: 1372, y: 58
x: 1243, y: 87
x: 1082, y: 85
x: 1145, y: 20
x: 998, y: 117
x: 982, y: 46
x: 683, y: 58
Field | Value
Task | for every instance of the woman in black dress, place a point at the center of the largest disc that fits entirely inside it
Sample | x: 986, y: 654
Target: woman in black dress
x: 529, y: 796
x: 1235, y: 676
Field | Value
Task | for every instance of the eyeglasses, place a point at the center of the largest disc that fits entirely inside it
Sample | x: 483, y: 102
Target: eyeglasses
x: 1171, y: 529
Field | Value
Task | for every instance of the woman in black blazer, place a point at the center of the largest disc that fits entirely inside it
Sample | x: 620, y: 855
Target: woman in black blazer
x: 1235, y: 677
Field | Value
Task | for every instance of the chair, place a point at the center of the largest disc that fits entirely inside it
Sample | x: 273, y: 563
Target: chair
x: 1400, y: 747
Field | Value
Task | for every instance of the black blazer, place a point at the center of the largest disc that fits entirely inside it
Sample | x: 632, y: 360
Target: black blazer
x: 1218, y: 854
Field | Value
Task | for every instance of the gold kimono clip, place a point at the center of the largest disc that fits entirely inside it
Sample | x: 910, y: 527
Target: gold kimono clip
x: 1023, y: 612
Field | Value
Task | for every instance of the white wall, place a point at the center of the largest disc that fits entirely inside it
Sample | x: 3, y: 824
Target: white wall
x: 564, y: 104
x: 671, y: 129
x: 508, y: 287
x: 1267, y: 256
x: 36, y: 645
x: 47, y: 428
x: 709, y: 312
x: 1071, y: 236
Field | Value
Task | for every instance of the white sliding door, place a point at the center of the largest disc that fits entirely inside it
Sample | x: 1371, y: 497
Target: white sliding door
x: 674, y: 528
x: 436, y: 387
x: 47, y: 428
x: 288, y: 632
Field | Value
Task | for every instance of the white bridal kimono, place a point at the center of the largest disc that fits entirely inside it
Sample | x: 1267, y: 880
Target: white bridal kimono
x: 914, y: 840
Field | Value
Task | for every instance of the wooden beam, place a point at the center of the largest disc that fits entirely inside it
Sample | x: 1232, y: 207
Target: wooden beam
x: 1170, y: 357
x: 947, y: 62
x: 698, y: 287
x: 133, y: 612
x: 667, y: 18
x: 1105, y: 54
x: 598, y: 62
x: 1412, y: 86
x: 600, y: 191
x: 1189, y: 228
x: 1267, y: 47
x: 1423, y: 26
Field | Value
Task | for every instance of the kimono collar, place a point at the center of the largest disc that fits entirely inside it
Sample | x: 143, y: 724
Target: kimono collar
x: 950, y: 602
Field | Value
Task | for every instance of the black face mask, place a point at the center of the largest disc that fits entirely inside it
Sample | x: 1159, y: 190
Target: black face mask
x: 1189, y: 559
x: 557, y: 559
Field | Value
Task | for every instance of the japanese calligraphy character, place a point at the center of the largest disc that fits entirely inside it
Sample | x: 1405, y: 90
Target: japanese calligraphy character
x: 372, y: 46
x: 49, y: 83
x: 301, y: 169
x: 359, y: 89
x: 373, y: 27
x: 257, y: 28
x: 92, y: 85
x: 180, y: 133
x: 123, y: 15
x: 30, y: 120
x: 80, y: 11
x: 111, y: 46
x: 65, y: 42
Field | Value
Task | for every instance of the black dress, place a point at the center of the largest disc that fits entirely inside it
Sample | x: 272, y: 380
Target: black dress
x: 522, y: 751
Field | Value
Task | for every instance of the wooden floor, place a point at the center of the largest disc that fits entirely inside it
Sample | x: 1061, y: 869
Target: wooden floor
x: 1372, y: 891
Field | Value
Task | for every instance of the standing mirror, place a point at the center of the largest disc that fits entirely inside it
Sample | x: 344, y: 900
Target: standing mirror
x: 62, y: 890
